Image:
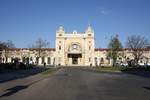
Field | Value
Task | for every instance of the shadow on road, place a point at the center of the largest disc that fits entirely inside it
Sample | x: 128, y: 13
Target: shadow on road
x: 17, y: 74
x: 137, y: 71
x: 147, y: 88
x: 13, y: 90
x: 18, y: 88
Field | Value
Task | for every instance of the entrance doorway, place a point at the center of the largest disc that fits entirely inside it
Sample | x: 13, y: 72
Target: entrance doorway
x: 75, y: 58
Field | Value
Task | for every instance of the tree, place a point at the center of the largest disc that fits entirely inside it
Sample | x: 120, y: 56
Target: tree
x: 114, y: 47
x: 6, y: 46
x: 2, y: 46
x: 137, y: 44
x: 39, y: 45
x: 9, y: 44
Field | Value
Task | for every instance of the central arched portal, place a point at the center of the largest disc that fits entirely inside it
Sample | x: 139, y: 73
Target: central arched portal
x: 75, y: 58
x: 74, y: 54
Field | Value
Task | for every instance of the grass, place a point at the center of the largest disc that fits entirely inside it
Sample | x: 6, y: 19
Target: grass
x: 108, y: 69
x: 119, y: 69
x: 49, y: 71
x: 138, y: 69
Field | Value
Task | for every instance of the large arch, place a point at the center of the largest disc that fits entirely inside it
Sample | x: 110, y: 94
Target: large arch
x: 74, y: 53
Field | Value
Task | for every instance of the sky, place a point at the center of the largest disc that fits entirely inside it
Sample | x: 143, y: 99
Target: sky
x: 24, y: 21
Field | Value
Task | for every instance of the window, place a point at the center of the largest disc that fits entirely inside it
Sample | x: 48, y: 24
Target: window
x: 12, y: 59
x: 59, y: 47
x: 37, y: 60
x: 95, y: 58
x: 6, y: 59
x: 74, y: 46
x: 54, y: 61
x: 89, y: 59
x: 102, y: 60
x: 49, y: 60
x: 0, y: 58
x: 31, y: 59
x: 96, y: 61
x: 89, y: 47
x: 89, y: 34
x: 42, y: 60
x: 60, y: 34
x: 23, y: 59
x: 120, y: 58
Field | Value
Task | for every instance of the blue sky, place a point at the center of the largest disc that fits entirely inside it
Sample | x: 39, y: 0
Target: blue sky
x: 23, y: 21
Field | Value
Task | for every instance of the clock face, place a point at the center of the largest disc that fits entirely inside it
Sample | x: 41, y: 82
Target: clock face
x: 74, y: 46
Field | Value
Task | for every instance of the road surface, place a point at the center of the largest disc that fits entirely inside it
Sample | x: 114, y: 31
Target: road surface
x: 77, y: 84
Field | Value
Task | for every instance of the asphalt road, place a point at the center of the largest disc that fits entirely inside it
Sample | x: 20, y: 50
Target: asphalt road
x: 77, y: 84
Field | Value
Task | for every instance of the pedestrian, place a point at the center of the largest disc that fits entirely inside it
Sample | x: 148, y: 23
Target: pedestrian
x: 44, y: 64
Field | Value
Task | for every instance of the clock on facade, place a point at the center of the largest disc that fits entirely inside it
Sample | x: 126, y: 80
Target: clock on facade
x: 75, y: 46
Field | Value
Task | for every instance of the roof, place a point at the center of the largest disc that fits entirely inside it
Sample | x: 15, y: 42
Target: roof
x: 129, y: 49
x: 18, y: 49
x: 53, y: 49
x: 101, y: 49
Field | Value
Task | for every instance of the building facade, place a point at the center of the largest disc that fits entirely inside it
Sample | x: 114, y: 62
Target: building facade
x: 71, y: 49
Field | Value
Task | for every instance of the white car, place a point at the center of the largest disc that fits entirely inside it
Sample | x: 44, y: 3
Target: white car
x: 124, y: 64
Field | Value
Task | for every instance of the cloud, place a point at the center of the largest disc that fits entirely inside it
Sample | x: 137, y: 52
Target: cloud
x: 103, y: 11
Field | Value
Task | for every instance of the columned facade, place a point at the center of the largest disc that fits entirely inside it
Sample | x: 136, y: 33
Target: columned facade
x: 71, y: 49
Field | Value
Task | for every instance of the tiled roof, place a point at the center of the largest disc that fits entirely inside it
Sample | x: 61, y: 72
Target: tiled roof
x: 18, y: 49
x: 105, y: 49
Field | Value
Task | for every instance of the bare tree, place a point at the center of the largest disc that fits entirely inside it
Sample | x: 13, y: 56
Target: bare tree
x: 137, y: 44
x: 9, y: 44
x: 39, y: 45
x: 6, y: 46
x: 2, y: 46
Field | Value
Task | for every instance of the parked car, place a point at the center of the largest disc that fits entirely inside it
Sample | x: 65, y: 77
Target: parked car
x: 124, y: 64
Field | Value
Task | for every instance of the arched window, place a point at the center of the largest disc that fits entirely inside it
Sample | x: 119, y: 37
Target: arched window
x: 102, y: 60
x: 43, y: 60
x: 89, y: 34
x: 60, y: 34
x: 0, y: 59
x: 31, y: 59
x: 12, y: 59
x: 96, y: 61
x: 49, y: 60
x: 23, y: 59
x: 37, y: 60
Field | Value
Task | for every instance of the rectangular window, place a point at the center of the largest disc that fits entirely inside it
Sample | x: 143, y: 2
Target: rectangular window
x: 89, y: 59
x: 59, y: 47
x: 89, y: 34
x: 89, y: 47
